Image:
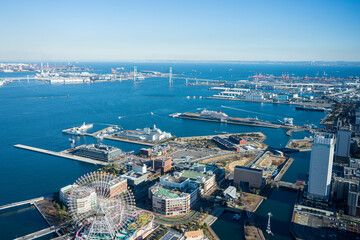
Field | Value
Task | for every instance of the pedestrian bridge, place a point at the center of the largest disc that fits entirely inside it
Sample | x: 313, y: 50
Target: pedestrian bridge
x: 16, y: 204
x: 38, y: 234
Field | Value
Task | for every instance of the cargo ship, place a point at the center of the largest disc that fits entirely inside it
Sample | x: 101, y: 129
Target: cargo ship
x: 220, y: 117
x: 304, y: 108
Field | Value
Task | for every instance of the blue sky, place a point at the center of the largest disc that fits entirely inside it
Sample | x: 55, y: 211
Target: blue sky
x: 251, y: 30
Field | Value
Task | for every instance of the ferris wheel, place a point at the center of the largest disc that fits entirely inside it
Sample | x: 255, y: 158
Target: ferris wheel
x: 101, y: 205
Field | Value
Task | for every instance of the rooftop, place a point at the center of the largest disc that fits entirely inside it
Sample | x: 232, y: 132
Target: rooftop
x: 247, y: 168
x: 193, y: 175
x: 174, y: 179
x: 163, y: 191
x: 172, y: 235
x: 194, y: 233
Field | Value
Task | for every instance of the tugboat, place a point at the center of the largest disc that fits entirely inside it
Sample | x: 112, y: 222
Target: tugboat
x: 236, y: 217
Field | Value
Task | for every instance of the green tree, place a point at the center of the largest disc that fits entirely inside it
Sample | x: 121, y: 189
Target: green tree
x: 57, y: 206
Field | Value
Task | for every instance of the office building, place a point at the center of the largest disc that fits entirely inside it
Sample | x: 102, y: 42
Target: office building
x: 321, y: 163
x: 250, y: 176
x: 353, y: 200
x: 136, y: 167
x: 169, y: 201
x: 343, y: 142
x: 162, y: 163
x: 205, y: 181
x: 134, y: 179
x: 98, y: 152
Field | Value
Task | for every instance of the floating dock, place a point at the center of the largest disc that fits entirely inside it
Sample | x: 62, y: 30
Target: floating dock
x: 233, y: 120
x: 61, y: 154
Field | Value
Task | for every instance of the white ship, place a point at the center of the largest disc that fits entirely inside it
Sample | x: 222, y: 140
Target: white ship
x: 85, y: 127
x: 74, y: 131
x: 213, y: 114
x: 288, y: 121
x: 78, y: 131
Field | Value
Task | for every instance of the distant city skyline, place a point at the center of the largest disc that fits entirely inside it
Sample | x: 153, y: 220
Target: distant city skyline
x: 180, y: 30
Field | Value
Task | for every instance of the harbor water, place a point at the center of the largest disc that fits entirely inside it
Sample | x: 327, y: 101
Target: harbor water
x: 33, y: 113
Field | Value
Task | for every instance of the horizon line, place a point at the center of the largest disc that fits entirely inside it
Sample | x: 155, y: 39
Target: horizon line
x: 158, y: 60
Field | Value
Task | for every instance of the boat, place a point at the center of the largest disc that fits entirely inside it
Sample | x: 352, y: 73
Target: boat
x: 74, y: 132
x: 213, y: 114
x: 288, y: 121
x: 222, y: 132
x: 85, y: 127
x: 78, y: 131
x: 188, y: 97
x: 304, y: 108
x: 236, y: 217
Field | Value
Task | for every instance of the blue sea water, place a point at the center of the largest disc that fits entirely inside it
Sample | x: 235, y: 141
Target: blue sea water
x: 27, y: 119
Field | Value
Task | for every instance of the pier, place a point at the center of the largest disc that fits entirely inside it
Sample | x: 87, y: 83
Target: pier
x: 61, y: 154
x: 16, y: 204
x: 234, y: 120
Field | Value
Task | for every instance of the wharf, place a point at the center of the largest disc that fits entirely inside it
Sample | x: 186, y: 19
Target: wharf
x: 261, y: 136
x: 234, y: 120
x: 61, y: 154
x: 303, y: 129
x: 283, y: 170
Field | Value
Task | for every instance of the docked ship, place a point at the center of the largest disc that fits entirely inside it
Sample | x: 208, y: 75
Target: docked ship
x: 213, y: 114
x: 78, y: 131
x: 287, y: 121
x: 304, y: 108
x: 85, y: 127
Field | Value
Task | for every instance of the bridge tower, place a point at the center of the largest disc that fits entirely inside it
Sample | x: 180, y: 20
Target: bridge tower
x: 268, y: 228
x: 135, y: 73
x: 170, y: 76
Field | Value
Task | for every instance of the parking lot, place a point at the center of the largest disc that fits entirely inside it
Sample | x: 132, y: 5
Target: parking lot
x: 315, y: 226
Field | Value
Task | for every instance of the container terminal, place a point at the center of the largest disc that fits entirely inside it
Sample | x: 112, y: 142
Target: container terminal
x: 213, y: 116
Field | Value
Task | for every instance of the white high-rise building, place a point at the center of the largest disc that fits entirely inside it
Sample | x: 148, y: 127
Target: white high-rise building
x: 343, y: 141
x: 321, y: 163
